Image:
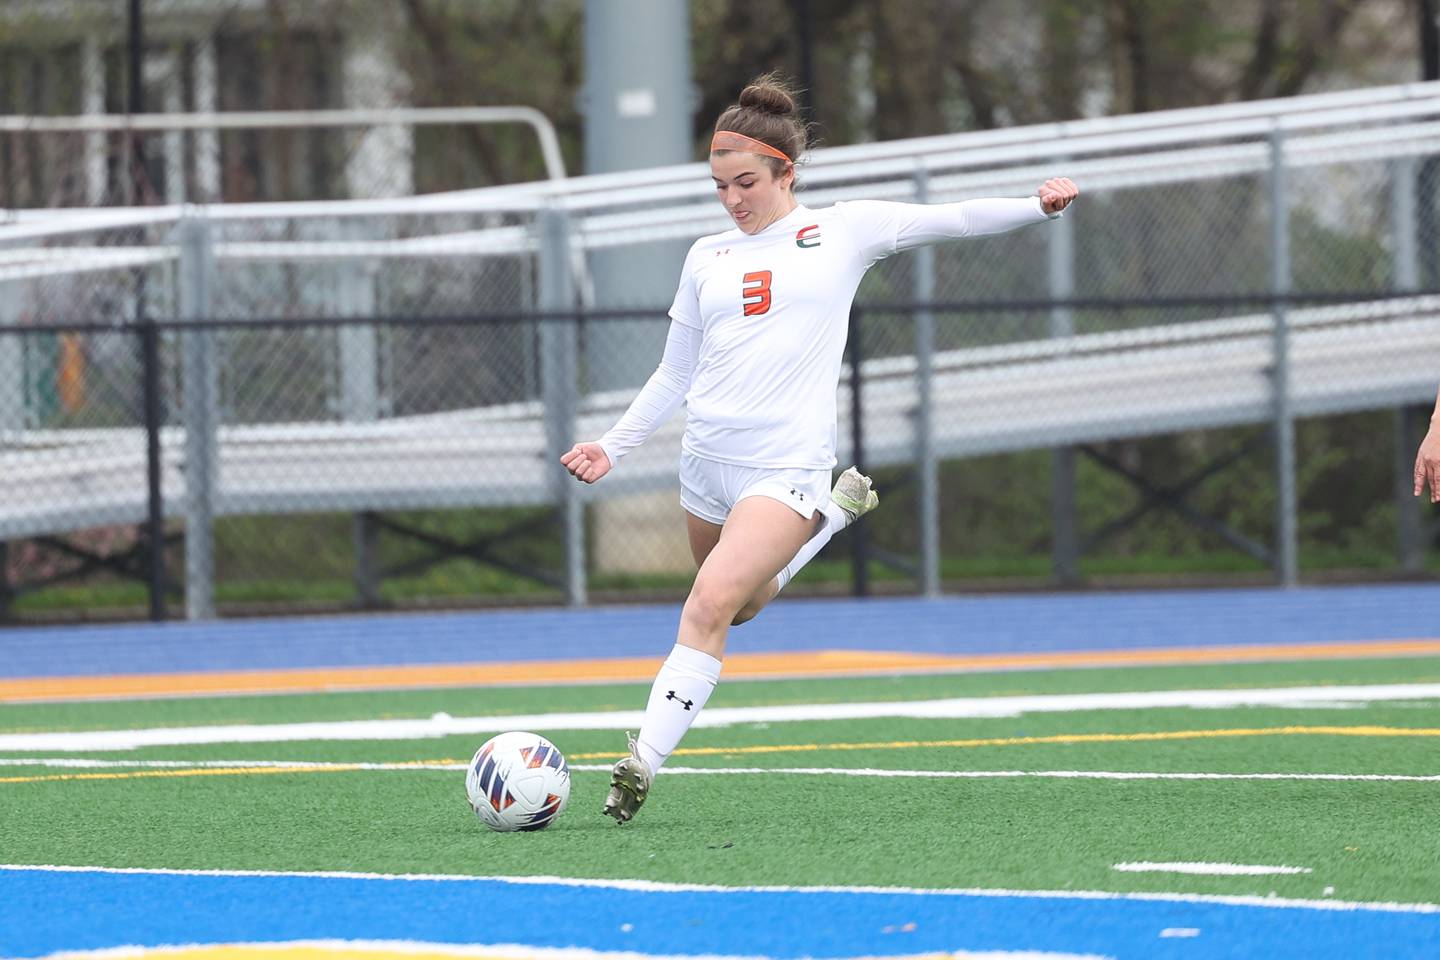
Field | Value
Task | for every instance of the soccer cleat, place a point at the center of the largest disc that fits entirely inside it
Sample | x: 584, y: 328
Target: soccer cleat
x: 629, y: 785
x: 852, y: 494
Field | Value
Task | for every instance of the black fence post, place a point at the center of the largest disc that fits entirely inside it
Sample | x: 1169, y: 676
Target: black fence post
x: 155, y: 518
x: 859, y: 542
x: 149, y: 334
x: 7, y: 594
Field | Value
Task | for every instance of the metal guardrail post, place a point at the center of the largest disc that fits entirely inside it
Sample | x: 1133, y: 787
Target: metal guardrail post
x: 1065, y: 551
x: 559, y: 385
x: 12, y: 360
x: 12, y: 408
x: 1410, y: 534
x: 1286, y: 496
x: 202, y: 414
x: 358, y: 344
x: 1404, y: 226
x: 926, y: 462
x: 358, y: 347
x: 7, y: 592
x: 859, y: 541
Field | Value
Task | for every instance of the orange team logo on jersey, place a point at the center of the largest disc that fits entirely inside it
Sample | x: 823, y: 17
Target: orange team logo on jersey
x: 807, y: 237
x: 757, y: 293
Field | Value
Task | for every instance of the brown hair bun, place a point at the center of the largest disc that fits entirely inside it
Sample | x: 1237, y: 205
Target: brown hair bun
x: 769, y: 97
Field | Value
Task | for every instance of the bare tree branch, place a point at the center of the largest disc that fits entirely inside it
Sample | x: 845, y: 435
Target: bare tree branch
x: 975, y: 80
x: 1261, y: 65
x: 1313, y: 49
x: 1128, y: 55
x: 447, y: 71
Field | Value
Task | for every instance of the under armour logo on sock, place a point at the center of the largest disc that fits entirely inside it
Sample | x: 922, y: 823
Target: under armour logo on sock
x: 688, y: 703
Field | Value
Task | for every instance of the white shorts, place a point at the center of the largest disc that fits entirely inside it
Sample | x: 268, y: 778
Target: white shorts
x: 710, y: 489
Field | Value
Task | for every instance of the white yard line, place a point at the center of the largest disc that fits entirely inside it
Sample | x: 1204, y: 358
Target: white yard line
x: 652, y: 886
x: 1209, y: 869
x: 402, y: 767
x: 442, y: 725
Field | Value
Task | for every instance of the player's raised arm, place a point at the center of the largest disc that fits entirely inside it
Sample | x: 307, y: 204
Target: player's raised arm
x: 885, y: 227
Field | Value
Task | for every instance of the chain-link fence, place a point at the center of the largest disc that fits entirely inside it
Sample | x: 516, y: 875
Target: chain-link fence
x: 1209, y: 366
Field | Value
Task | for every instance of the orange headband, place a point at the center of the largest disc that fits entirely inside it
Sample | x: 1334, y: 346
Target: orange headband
x: 729, y: 140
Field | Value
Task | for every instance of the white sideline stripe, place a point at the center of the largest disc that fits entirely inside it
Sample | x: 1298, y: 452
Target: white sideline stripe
x: 654, y: 886
x: 1054, y: 774
x: 1208, y: 869
x: 358, y: 948
x: 72, y: 763
x: 952, y: 709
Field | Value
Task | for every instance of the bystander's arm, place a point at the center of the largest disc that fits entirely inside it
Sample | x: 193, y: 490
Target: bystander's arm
x: 1427, y: 461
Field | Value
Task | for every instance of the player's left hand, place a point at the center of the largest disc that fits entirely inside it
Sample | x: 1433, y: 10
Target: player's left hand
x: 1057, y: 193
x: 1427, y: 465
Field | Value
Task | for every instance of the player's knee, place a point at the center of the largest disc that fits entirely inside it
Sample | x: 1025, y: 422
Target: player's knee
x: 710, y: 608
x: 746, y: 614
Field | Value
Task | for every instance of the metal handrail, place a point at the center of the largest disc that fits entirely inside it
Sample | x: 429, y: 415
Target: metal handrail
x: 290, y: 119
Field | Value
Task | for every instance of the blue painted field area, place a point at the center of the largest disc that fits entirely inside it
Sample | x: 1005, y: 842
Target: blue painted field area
x: 42, y: 912
x: 954, y: 624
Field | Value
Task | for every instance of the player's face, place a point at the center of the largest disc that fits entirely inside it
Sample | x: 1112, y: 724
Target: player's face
x: 752, y: 194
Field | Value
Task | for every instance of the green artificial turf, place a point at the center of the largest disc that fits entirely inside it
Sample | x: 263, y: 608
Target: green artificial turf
x: 1363, y: 840
x: 1369, y: 841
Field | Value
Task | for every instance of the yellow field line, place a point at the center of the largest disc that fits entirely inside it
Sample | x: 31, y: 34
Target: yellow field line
x: 201, y: 772
x: 818, y: 663
x: 1065, y: 738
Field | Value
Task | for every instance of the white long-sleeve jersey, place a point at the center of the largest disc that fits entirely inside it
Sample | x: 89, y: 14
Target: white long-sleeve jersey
x: 758, y: 326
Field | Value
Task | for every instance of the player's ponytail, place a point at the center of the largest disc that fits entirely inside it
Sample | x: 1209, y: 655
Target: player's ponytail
x: 767, y: 112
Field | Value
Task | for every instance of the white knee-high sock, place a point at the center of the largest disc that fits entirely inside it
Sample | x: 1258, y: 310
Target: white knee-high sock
x: 835, y: 521
x: 681, y: 688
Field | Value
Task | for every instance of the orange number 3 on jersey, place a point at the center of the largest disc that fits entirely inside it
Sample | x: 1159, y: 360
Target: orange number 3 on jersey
x: 757, y: 293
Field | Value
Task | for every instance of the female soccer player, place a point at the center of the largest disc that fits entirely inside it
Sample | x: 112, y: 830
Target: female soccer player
x: 754, y: 350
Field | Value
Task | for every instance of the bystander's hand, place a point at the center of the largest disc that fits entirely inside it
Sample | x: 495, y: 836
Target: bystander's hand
x: 1427, y: 464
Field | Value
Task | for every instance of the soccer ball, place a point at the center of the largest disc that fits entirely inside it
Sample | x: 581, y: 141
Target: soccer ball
x: 518, y: 781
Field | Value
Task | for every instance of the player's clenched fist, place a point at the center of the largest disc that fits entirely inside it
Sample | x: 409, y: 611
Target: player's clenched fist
x: 1057, y: 193
x: 586, y: 461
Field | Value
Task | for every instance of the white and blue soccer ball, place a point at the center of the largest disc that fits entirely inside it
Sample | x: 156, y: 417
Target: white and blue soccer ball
x: 518, y: 781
